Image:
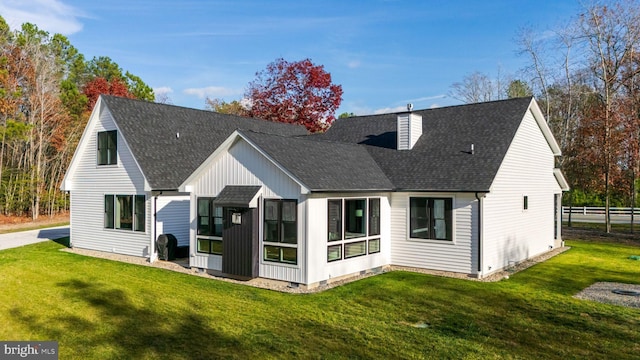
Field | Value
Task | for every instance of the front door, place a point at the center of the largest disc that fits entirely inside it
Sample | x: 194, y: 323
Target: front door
x: 239, y: 245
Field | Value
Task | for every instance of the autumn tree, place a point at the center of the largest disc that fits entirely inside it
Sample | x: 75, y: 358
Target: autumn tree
x: 94, y: 88
x: 612, y: 34
x: 345, y: 115
x: 298, y: 92
x: 234, y: 107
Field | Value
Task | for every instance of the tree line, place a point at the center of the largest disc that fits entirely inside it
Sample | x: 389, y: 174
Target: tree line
x: 584, y: 75
x: 47, y: 92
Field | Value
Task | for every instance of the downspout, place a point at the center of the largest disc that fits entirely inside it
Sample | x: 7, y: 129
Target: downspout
x: 155, y: 226
x: 479, y: 234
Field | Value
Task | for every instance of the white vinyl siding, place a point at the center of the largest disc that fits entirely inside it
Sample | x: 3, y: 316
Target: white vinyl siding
x: 513, y: 234
x: 173, y: 217
x: 458, y: 255
x: 409, y: 130
x: 243, y: 165
x: 92, y: 182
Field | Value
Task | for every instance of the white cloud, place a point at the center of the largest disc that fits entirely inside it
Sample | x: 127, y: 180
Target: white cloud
x: 162, y: 90
x: 49, y: 15
x: 426, y: 98
x: 434, y: 105
x: 211, y: 91
x: 391, y: 110
x: 354, y: 64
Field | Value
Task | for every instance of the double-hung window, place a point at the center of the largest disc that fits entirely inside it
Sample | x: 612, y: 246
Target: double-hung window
x: 280, y: 231
x: 209, y: 237
x: 431, y: 218
x: 353, y: 228
x: 108, y: 147
x: 125, y: 212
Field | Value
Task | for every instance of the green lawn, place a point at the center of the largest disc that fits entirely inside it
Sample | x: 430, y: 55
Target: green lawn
x: 99, y: 309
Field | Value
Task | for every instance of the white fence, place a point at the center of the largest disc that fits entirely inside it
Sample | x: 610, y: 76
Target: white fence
x: 593, y: 210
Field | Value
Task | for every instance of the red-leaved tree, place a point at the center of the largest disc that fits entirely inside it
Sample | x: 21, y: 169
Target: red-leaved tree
x: 100, y: 85
x: 298, y: 92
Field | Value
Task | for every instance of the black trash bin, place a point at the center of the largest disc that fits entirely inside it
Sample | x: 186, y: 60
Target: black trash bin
x: 166, y: 246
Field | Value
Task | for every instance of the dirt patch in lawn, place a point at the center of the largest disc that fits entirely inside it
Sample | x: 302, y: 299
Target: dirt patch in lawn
x: 13, y: 223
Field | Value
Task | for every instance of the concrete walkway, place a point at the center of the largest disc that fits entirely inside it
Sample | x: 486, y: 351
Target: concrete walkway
x: 16, y: 239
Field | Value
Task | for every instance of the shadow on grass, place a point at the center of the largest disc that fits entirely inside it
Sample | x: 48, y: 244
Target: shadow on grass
x: 115, y: 326
x: 64, y: 241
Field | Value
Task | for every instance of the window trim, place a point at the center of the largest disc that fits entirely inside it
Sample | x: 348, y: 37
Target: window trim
x: 211, y: 237
x: 452, y: 221
x: 280, y: 236
x: 342, y: 242
x: 114, y: 213
x: 111, y: 153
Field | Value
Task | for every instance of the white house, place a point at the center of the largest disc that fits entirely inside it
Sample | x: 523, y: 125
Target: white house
x: 469, y: 189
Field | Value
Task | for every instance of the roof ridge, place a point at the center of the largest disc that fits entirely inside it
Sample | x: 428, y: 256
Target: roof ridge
x: 440, y: 107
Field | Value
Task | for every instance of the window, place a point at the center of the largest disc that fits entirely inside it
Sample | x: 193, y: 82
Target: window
x: 525, y: 202
x: 108, y: 211
x: 209, y: 234
x: 281, y: 231
x: 335, y: 220
x: 430, y: 218
x: 108, y: 147
x: 125, y: 212
x: 355, y: 220
x: 361, y: 231
x: 374, y: 216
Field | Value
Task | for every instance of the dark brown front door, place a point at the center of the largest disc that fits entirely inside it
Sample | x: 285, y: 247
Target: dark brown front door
x: 239, y: 245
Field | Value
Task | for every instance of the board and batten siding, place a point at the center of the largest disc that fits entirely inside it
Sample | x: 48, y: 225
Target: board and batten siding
x: 173, y: 217
x: 459, y: 255
x: 244, y: 165
x: 91, y: 182
x: 317, y: 234
x: 511, y: 233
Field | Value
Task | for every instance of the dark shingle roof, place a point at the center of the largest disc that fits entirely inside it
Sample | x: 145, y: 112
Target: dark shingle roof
x: 237, y: 195
x: 357, y: 153
x: 441, y: 159
x: 322, y: 165
x: 167, y: 160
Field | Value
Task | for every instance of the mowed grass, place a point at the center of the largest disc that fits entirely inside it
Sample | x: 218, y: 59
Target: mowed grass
x: 100, y: 309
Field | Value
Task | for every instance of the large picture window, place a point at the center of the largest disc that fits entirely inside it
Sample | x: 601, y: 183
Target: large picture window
x: 431, y: 218
x: 281, y: 231
x: 125, y: 212
x: 360, y: 234
x: 209, y: 235
x: 108, y: 147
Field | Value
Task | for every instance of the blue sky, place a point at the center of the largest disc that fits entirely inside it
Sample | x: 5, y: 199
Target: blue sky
x: 384, y: 53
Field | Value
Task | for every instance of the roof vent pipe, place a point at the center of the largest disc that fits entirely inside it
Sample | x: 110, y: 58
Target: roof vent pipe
x: 472, y: 149
x: 409, y: 106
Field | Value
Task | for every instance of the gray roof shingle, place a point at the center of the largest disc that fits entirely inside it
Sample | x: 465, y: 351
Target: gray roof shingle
x: 441, y: 159
x: 357, y: 153
x: 165, y: 159
x: 237, y: 195
x: 323, y: 165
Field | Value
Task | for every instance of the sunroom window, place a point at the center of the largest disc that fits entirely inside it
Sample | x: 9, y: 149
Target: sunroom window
x: 360, y: 234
